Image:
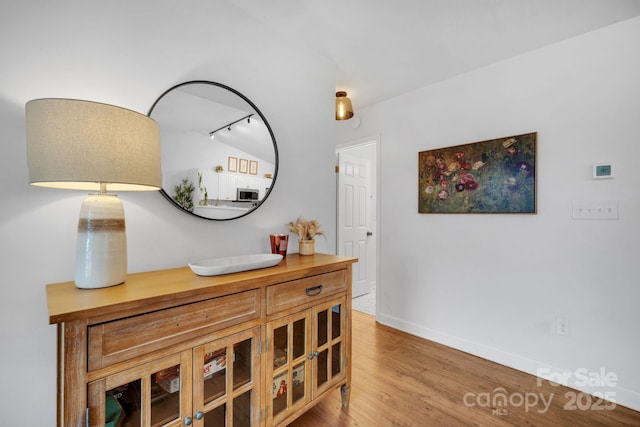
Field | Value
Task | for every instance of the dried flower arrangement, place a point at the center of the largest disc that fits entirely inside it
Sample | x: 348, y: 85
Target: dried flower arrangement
x: 306, y: 229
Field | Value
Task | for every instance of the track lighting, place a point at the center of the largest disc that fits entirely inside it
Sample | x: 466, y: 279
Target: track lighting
x: 228, y: 126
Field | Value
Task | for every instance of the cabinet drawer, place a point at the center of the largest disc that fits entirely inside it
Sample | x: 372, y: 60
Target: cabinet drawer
x: 297, y: 292
x: 119, y: 340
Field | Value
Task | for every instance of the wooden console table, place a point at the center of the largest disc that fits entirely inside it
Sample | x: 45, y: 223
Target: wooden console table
x: 170, y: 348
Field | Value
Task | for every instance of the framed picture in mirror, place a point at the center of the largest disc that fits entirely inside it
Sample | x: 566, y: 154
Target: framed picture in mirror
x: 244, y: 166
x: 253, y: 167
x: 233, y: 164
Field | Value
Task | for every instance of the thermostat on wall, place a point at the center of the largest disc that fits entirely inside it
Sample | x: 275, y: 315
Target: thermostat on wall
x: 602, y: 171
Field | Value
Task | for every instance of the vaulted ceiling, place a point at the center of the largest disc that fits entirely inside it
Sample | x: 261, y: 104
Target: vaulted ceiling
x: 383, y: 48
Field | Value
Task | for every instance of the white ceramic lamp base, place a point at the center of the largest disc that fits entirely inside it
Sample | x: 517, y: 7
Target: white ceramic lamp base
x: 101, y: 247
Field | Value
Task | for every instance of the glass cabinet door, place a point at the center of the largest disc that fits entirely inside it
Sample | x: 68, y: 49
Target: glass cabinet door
x: 288, y: 364
x: 328, y: 345
x: 226, y: 379
x: 151, y: 395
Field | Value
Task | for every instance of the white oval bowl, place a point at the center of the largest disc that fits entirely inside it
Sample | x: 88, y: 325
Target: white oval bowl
x: 234, y: 264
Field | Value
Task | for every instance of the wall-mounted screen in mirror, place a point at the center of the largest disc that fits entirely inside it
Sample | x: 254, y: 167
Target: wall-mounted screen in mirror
x: 219, y: 155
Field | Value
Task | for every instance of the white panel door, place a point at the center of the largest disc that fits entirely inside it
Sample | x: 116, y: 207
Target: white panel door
x: 353, y: 217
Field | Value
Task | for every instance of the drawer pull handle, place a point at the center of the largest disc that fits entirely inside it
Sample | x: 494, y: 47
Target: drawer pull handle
x: 314, y: 290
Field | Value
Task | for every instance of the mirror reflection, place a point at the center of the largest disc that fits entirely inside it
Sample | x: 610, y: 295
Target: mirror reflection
x: 219, y: 155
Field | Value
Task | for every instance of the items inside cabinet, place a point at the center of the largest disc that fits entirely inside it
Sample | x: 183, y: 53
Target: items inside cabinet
x: 286, y: 379
x: 215, y: 374
x: 215, y: 369
x: 329, y: 343
x: 123, y: 404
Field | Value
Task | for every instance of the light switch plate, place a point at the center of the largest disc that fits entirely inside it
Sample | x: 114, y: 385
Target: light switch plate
x: 595, y: 210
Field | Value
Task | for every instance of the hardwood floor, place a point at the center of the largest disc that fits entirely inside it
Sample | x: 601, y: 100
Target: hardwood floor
x: 403, y: 380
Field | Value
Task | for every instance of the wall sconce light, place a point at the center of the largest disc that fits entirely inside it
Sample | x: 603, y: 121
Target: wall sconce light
x: 344, y: 110
x: 82, y: 145
x: 228, y: 126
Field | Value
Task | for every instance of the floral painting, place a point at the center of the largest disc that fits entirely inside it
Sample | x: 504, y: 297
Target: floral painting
x: 495, y: 176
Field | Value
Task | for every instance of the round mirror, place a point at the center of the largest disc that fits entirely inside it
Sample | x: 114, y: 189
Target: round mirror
x: 219, y: 155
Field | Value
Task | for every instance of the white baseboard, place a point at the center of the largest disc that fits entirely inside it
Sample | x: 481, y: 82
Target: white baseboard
x: 621, y: 396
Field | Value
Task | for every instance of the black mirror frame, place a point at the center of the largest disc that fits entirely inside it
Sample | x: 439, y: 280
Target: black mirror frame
x: 262, y: 117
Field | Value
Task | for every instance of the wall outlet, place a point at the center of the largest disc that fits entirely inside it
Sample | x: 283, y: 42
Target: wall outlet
x: 562, y: 326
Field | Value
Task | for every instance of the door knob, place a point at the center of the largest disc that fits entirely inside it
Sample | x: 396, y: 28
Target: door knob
x: 369, y: 233
x: 199, y: 415
x: 188, y: 421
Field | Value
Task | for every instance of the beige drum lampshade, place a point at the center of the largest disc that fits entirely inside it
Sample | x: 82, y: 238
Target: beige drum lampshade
x: 79, y: 144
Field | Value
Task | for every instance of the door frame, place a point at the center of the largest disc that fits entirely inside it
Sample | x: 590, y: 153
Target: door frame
x: 374, y: 139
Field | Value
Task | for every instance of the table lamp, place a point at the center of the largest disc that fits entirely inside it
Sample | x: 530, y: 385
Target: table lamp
x: 83, y: 145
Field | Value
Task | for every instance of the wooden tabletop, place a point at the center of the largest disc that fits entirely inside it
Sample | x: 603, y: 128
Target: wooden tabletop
x: 164, y: 288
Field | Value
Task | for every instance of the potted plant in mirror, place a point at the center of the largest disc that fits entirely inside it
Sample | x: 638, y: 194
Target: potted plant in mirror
x: 306, y: 230
x: 184, y: 194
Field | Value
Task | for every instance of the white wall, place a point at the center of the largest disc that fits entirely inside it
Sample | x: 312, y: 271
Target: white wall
x: 127, y: 54
x: 493, y: 285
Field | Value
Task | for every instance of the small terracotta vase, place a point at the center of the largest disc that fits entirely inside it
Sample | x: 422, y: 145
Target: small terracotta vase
x: 306, y: 247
